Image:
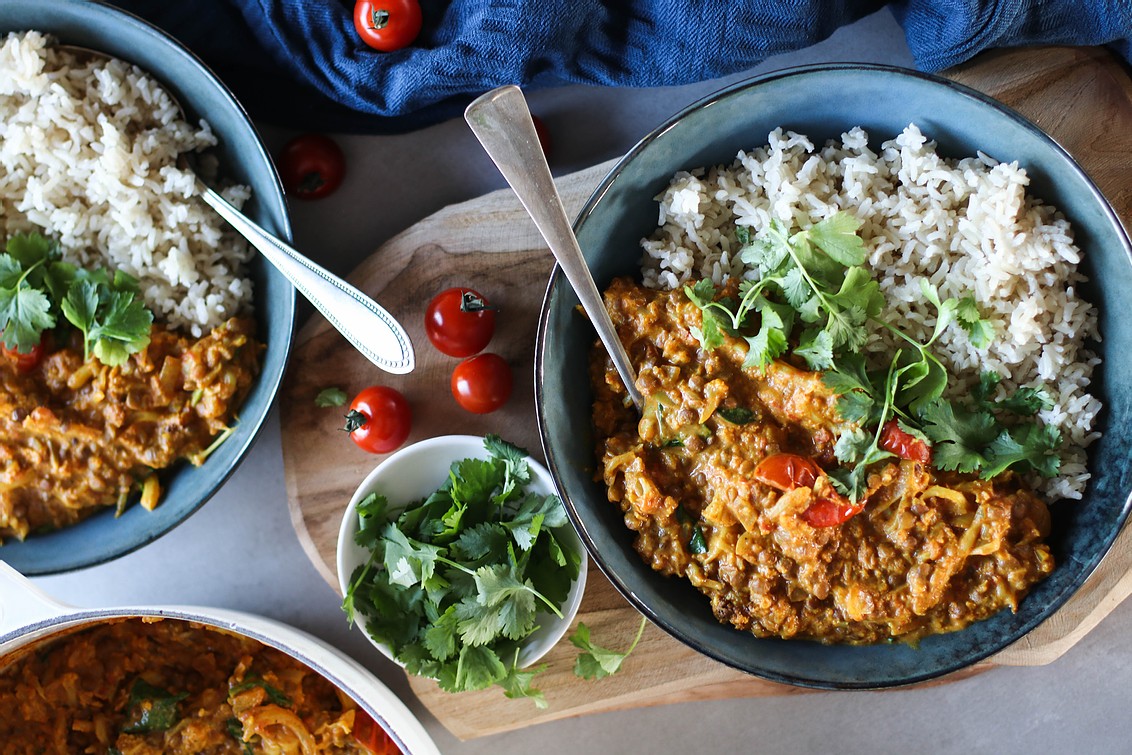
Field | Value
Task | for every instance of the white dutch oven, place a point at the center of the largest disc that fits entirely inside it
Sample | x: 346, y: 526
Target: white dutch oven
x: 29, y: 616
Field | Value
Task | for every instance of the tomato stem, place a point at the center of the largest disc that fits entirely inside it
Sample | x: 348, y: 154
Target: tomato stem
x: 470, y: 302
x: 379, y: 19
x: 355, y: 420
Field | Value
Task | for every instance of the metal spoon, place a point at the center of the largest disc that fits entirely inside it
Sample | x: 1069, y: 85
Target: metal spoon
x: 501, y: 121
x: 364, y: 323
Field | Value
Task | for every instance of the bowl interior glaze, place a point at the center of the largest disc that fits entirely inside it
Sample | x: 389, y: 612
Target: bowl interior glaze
x: 243, y: 159
x: 883, y: 100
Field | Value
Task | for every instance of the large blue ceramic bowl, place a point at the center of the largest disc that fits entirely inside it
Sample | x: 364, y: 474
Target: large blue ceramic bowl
x: 243, y: 159
x: 882, y: 100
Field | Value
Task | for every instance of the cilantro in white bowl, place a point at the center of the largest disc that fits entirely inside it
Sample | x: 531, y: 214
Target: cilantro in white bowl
x: 457, y: 560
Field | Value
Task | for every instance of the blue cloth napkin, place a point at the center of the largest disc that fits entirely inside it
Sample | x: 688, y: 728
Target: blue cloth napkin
x: 300, y: 63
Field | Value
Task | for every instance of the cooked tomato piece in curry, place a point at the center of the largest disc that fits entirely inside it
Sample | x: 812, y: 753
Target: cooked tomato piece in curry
x: 77, y: 436
x: 775, y: 549
x: 142, y: 686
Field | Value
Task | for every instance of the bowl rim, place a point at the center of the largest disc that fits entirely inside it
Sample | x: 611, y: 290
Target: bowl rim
x: 276, y: 203
x: 454, y: 448
x: 557, y: 279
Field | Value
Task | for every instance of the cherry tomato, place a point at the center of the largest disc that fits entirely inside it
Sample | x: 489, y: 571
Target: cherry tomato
x: 387, y: 25
x: 379, y: 419
x: 905, y: 445
x: 371, y: 736
x: 482, y: 383
x: 786, y: 472
x: 543, y: 135
x: 25, y: 362
x: 830, y: 512
x: 311, y: 166
x: 459, y: 322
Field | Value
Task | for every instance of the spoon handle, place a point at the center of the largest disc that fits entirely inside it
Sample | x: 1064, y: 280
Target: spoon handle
x: 501, y: 121
x: 364, y: 323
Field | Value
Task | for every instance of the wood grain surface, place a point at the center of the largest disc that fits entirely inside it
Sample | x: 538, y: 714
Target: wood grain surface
x: 1083, y: 97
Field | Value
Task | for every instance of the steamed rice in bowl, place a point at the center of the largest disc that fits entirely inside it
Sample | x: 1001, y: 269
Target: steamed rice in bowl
x: 928, y: 550
x: 88, y: 160
x: 88, y: 152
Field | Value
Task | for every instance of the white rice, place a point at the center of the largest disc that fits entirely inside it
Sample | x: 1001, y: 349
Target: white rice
x: 88, y: 156
x: 965, y: 225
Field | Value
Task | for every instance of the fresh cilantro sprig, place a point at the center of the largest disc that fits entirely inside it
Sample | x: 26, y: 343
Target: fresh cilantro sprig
x: 37, y: 287
x: 112, y: 318
x: 596, y: 662
x: 813, y: 276
x: 457, y: 581
x: 969, y: 437
x: 26, y: 309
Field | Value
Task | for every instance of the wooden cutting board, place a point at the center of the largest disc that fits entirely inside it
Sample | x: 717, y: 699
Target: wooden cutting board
x: 1083, y: 97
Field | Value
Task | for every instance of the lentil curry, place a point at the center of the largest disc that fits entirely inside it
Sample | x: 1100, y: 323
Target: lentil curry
x: 77, y: 436
x: 928, y: 552
x: 139, y: 686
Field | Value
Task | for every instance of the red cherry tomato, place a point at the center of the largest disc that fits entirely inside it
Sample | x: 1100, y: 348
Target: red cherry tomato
x: 371, y: 736
x: 830, y: 512
x: 482, y: 383
x: 387, y: 25
x: 786, y: 472
x: 311, y: 166
x: 379, y: 419
x: 459, y: 322
x: 25, y: 362
x: 905, y: 445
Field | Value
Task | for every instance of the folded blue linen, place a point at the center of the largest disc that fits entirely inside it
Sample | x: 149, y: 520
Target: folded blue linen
x: 300, y: 63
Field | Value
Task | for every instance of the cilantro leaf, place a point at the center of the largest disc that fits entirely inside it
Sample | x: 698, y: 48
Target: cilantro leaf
x: 958, y: 435
x: 440, y: 636
x: 517, y: 684
x: 482, y: 539
x: 837, y: 237
x: 333, y: 396
x: 852, y: 445
x: 1026, y: 401
x: 739, y: 415
x: 24, y: 314
x: 1028, y: 447
x: 768, y: 252
x: 816, y: 347
x: 945, y: 310
x: 114, y: 323
x: 696, y: 543
x: 150, y: 708
x: 979, y: 331
x: 407, y: 561
x: 596, y: 662
x: 770, y: 342
x: 477, y: 667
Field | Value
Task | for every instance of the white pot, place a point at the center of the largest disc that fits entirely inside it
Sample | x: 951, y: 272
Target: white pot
x: 27, y: 615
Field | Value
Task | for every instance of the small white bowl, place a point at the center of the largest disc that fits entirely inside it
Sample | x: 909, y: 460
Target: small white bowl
x: 416, y: 471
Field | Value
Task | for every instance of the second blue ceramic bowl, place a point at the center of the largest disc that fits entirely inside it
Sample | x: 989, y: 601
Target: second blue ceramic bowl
x: 883, y: 101
x: 244, y: 160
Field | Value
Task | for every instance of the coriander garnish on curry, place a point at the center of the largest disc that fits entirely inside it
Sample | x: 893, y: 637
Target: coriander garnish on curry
x: 817, y: 458
x: 94, y: 398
